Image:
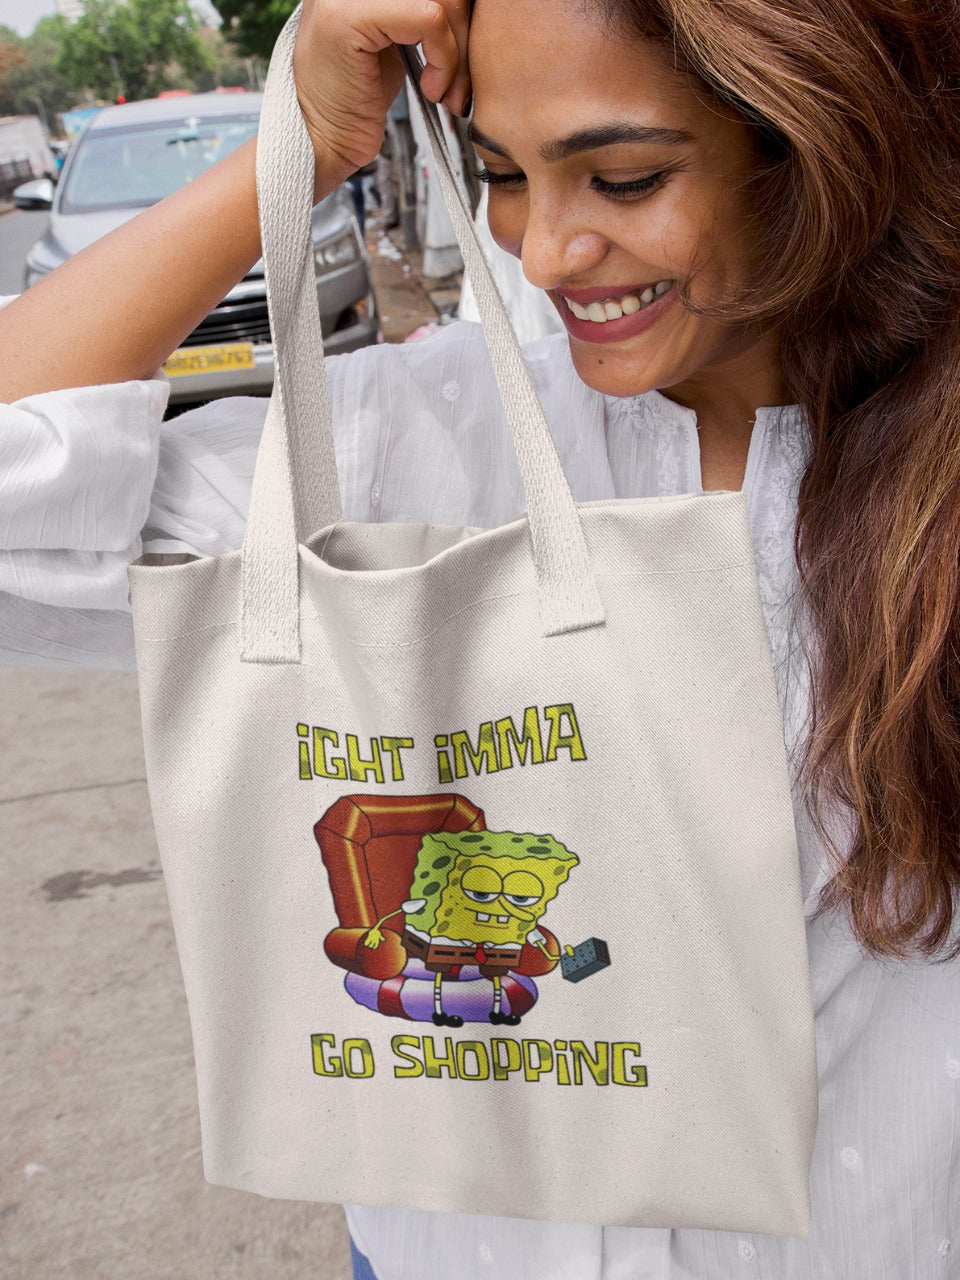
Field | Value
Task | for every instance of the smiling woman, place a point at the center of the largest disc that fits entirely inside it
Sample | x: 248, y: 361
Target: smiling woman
x: 639, y: 208
x: 745, y: 215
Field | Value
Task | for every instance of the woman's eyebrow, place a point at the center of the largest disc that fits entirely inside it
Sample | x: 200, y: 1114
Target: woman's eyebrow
x: 606, y: 135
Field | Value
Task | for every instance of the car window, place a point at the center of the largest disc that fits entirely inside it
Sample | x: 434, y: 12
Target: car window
x: 129, y: 167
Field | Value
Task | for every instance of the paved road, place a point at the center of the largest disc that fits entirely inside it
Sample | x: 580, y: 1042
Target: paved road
x: 100, y: 1173
x: 18, y: 231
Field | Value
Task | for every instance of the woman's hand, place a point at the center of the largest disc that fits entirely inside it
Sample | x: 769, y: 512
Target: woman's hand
x: 348, y: 72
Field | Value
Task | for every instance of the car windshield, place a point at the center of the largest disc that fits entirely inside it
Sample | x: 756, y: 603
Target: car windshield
x: 132, y: 167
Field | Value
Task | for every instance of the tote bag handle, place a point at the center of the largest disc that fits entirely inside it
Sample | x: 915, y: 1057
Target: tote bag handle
x: 295, y: 487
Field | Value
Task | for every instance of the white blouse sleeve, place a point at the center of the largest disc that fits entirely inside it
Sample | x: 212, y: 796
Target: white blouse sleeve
x: 90, y: 479
x: 76, y: 472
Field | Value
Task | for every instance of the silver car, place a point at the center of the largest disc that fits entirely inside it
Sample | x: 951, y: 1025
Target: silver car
x: 130, y: 157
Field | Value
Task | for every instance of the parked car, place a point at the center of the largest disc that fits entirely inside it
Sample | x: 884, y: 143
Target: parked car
x: 131, y: 156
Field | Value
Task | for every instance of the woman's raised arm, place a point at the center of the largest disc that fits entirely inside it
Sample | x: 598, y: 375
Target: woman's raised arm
x: 116, y: 311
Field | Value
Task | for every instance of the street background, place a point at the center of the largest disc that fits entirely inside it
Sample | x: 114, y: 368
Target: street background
x: 18, y: 231
x: 100, y: 1167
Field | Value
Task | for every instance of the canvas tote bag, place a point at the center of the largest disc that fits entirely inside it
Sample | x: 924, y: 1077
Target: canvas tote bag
x: 479, y: 844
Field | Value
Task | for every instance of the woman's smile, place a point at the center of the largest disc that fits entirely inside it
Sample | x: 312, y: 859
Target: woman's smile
x: 598, y: 315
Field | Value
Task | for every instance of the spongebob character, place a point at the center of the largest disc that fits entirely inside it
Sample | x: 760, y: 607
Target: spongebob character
x: 480, y: 896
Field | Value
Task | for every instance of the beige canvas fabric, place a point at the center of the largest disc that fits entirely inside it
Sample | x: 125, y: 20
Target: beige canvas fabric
x: 479, y: 845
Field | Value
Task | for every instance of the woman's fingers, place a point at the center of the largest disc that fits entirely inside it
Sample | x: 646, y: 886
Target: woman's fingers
x: 438, y: 26
x: 460, y: 93
x: 348, y: 72
x: 446, y: 77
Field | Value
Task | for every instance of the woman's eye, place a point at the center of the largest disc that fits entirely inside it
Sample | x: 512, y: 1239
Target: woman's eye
x: 500, y: 179
x: 629, y: 190
x: 636, y: 188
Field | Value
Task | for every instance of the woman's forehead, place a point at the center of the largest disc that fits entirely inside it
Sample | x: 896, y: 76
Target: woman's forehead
x: 543, y: 70
x: 517, y: 29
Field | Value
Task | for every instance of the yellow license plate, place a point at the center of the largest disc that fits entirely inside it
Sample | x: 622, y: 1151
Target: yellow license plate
x: 234, y: 355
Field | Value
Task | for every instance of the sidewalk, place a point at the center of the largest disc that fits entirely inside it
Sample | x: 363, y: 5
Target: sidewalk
x: 100, y: 1172
x: 406, y: 298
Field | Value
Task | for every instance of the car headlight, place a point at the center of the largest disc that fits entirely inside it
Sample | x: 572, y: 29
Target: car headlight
x: 339, y: 251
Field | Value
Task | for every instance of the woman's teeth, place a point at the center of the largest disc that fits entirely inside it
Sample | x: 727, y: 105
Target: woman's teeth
x: 613, y: 309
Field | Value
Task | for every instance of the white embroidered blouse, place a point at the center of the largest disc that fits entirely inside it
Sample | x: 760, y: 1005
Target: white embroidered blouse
x: 89, y: 478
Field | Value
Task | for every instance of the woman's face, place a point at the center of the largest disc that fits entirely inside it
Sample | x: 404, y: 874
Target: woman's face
x: 614, y: 182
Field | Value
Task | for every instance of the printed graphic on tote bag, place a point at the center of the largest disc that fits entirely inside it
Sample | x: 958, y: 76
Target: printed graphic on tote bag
x: 439, y: 918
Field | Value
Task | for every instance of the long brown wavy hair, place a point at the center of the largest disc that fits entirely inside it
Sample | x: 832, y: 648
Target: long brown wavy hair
x: 856, y: 108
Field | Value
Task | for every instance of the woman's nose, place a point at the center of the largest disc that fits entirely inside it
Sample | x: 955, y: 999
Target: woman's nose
x: 555, y: 248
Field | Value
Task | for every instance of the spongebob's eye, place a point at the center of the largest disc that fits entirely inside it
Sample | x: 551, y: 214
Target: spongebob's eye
x: 477, y: 896
x: 481, y: 883
x: 522, y: 888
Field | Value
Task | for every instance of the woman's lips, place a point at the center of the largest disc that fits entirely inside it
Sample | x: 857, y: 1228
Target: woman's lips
x: 612, y: 330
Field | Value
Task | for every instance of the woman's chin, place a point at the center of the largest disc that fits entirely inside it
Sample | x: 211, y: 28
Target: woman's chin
x: 612, y: 372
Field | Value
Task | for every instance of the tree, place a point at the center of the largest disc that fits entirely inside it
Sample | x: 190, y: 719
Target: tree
x: 12, y: 56
x: 227, y: 65
x: 134, y: 48
x: 29, y: 80
x: 253, y: 25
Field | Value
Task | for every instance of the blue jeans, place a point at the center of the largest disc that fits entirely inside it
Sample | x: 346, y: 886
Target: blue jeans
x: 361, y: 1267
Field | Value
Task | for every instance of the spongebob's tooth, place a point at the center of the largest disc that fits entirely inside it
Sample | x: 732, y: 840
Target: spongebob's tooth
x: 503, y: 919
x: 647, y: 296
x: 483, y: 917
x: 613, y: 310
x: 662, y: 287
x: 597, y: 312
x: 580, y: 312
x: 630, y: 304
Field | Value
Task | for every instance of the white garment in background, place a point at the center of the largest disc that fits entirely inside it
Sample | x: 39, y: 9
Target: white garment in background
x: 531, y: 312
x: 421, y: 437
x: 441, y: 253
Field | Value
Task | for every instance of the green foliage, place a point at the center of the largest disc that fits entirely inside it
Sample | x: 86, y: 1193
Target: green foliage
x: 253, y: 25
x: 227, y: 66
x: 136, y: 48
x: 28, y: 72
